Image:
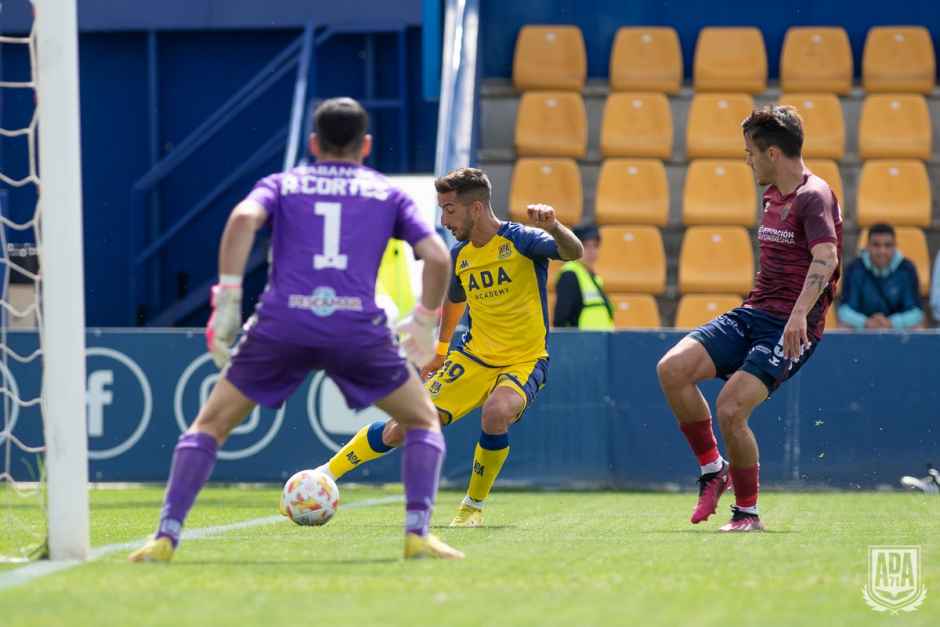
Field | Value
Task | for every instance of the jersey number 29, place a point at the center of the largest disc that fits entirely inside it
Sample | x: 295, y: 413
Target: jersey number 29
x: 331, y: 220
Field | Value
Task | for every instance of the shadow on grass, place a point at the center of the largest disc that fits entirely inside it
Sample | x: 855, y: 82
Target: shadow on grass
x: 715, y: 532
x: 312, y: 562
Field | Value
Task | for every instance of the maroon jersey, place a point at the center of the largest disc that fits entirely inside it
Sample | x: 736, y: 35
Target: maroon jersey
x: 790, y: 226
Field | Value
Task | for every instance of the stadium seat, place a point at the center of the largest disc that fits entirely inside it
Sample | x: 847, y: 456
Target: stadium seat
x: 912, y: 243
x: 637, y: 125
x: 828, y: 170
x: 894, y: 126
x: 632, y: 191
x: 719, y: 191
x: 549, y: 57
x: 714, y: 125
x: 635, y: 311
x: 832, y: 320
x: 730, y: 59
x: 555, y: 182
x: 646, y: 58
x: 716, y: 259
x: 896, y: 192
x: 898, y: 59
x: 816, y: 60
x: 697, y: 309
x: 823, y: 126
x: 551, y: 124
x: 632, y: 259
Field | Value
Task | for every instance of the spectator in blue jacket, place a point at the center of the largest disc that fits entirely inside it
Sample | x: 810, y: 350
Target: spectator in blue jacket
x: 935, y: 290
x: 880, y: 289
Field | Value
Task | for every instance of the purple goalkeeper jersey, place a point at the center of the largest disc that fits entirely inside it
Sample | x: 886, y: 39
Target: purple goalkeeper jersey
x: 331, y: 223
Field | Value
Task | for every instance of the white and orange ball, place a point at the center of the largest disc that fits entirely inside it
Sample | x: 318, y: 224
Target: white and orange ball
x: 309, y: 498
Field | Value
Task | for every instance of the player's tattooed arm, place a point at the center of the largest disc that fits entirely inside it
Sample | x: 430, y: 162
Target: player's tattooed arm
x: 824, y: 263
x: 543, y: 217
x: 569, y: 246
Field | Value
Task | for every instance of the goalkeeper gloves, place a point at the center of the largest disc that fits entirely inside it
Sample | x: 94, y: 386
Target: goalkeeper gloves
x: 418, y: 336
x: 225, y: 321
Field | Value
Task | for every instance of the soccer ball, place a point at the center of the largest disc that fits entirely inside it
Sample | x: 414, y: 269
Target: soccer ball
x: 310, y: 498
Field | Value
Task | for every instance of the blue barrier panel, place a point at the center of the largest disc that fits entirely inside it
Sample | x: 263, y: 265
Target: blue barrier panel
x: 862, y: 412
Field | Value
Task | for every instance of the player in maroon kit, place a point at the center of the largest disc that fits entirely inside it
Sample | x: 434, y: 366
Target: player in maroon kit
x: 761, y: 344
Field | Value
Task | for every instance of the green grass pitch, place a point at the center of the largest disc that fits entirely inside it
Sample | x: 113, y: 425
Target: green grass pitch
x: 545, y: 558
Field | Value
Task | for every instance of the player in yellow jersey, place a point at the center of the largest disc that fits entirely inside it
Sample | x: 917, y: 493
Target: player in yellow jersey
x: 500, y: 271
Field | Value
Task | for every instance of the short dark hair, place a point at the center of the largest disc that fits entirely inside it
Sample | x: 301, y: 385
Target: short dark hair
x: 776, y: 125
x: 881, y: 229
x: 469, y: 183
x: 587, y: 231
x: 340, y: 125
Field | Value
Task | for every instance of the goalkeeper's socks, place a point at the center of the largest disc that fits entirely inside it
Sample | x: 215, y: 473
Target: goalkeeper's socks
x: 422, y: 457
x: 193, y: 461
x: 488, y: 459
x: 365, y: 446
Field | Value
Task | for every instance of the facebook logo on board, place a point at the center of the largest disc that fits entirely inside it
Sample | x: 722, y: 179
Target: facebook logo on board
x: 119, y: 402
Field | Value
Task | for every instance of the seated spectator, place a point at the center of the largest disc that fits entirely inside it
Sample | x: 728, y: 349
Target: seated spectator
x: 581, y: 301
x: 935, y: 290
x: 880, y: 288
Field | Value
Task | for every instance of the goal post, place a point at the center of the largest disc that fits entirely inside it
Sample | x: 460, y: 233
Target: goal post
x: 62, y: 283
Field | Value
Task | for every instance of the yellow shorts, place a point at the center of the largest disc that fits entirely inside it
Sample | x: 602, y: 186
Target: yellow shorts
x: 463, y: 383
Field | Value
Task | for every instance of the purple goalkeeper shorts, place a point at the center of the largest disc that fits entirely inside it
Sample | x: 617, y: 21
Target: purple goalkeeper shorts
x: 268, y: 371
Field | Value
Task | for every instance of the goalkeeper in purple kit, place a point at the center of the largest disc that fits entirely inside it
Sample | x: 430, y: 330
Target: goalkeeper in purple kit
x: 331, y: 222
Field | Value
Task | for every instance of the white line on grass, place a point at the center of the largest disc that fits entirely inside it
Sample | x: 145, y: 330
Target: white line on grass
x: 36, y: 570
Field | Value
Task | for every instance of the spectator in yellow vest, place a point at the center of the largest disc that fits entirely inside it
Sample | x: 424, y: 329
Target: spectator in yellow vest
x: 581, y: 301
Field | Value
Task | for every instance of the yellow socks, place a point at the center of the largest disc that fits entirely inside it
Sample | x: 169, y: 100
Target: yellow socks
x: 488, y: 458
x: 365, y: 446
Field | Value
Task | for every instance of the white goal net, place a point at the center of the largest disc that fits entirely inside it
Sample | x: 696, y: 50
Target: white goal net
x: 43, y: 477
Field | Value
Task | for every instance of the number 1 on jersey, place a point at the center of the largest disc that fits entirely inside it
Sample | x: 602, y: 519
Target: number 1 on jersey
x: 331, y: 221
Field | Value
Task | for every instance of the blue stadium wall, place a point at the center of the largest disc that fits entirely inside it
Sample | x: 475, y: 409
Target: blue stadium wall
x: 600, y: 19
x: 206, y: 51
x: 860, y: 414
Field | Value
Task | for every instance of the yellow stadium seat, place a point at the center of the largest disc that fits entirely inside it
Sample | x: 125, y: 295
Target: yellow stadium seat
x: 912, y: 243
x: 637, y: 125
x: 894, y: 126
x: 823, y: 125
x: 632, y: 259
x: 555, y: 182
x: 719, y: 191
x: 896, y: 192
x: 551, y: 124
x: 828, y: 170
x: 730, y: 59
x: 832, y: 320
x: 634, y: 311
x: 632, y: 191
x: 716, y: 259
x: 898, y: 59
x: 646, y: 58
x: 554, y: 269
x: 697, y: 309
x: 714, y: 125
x: 816, y: 60
x: 549, y: 57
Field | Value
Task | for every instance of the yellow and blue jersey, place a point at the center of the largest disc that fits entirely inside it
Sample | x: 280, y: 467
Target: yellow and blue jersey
x: 504, y: 285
